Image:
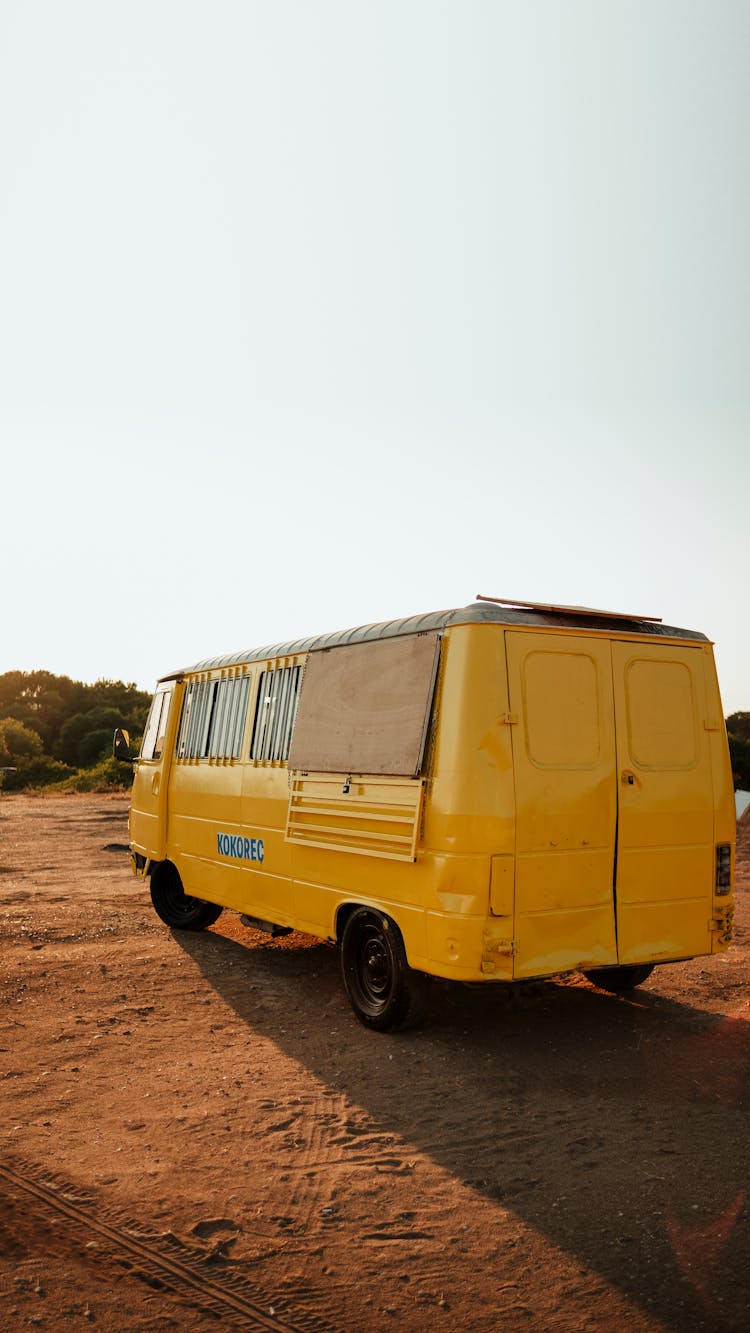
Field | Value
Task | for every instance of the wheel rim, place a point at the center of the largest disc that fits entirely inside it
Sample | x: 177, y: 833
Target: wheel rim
x: 179, y: 902
x: 373, y: 969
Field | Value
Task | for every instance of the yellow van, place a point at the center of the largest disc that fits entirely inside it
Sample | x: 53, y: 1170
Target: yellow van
x: 497, y: 792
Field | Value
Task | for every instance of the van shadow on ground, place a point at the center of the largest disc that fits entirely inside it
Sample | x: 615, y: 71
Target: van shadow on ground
x: 617, y: 1128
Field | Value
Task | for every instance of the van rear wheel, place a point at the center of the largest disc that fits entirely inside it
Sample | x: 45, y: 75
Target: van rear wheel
x: 619, y: 980
x: 175, y: 907
x: 375, y: 971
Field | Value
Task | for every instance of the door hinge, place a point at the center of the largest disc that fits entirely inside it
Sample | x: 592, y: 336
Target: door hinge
x: 509, y: 719
x: 710, y: 724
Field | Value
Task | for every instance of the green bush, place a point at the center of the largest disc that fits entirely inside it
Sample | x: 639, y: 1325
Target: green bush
x: 738, y: 724
x: 86, y: 737
x: 107, y: 775
x: 17, y: 742
x: 95, y: 746
x: 739, y: 754
x: 37, y: 772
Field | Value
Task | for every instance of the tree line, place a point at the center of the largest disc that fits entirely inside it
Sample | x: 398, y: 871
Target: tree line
x: 738, y: 731
x: 54, y: 730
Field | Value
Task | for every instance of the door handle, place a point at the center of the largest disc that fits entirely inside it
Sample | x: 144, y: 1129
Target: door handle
x: 628, y: 778
x: 155, y: 785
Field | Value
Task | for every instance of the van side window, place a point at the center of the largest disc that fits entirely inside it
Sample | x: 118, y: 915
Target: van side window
x: 213, y: 719
x: 153, y: 736
x: 194, y: 721
x: 275, y: 713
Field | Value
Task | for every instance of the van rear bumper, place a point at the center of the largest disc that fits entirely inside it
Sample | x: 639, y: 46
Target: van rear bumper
x: 469, y: 948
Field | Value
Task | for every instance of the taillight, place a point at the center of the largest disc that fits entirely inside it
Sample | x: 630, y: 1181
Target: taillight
x: 723, y: 869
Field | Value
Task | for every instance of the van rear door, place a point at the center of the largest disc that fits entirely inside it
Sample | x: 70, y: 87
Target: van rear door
x: 564, y: 759
x: 665, y: 845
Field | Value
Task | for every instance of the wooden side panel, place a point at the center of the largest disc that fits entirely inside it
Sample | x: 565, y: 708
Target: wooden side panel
x: 363, y: 707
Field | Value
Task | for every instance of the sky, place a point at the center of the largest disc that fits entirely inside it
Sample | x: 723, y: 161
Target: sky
x: 321, y: 312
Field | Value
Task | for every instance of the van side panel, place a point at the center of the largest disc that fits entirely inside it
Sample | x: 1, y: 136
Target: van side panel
x: 226, y: 830
x: 441, y: 900
x: 208, y: 811
x: 470, y: 810
x: 665, y: 861
x: 472, y: 803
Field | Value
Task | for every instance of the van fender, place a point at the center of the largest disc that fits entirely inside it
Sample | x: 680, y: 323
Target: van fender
x: 410, y: 922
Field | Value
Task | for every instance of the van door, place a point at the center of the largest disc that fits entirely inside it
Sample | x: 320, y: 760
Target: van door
x: 148, y: 803
x: 562, y: 717
x: 665, y: 856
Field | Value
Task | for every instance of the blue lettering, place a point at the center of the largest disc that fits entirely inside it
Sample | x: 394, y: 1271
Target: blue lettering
x: 245, y: 849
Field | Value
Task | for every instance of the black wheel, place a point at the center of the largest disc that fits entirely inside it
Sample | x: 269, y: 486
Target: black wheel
x: 618, y: 980
x: 174, y: 906
x: 375, y: 971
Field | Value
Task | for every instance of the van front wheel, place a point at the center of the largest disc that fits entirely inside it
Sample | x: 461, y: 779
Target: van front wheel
x: 618, y: 980
x: 175, y: 907
x: 375, y: 971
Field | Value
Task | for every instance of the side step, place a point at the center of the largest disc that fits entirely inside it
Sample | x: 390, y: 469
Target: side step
x: 267, y: 926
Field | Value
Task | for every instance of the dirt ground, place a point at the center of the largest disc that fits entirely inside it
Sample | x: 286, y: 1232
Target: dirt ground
x: 198, y: 1134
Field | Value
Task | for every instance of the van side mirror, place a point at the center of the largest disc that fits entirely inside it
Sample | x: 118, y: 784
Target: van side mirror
x: 121, y: 746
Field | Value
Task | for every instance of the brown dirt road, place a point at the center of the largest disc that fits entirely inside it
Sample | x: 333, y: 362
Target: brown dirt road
x: 197, y: 1133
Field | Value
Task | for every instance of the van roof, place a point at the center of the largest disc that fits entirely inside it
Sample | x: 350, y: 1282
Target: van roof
x: 479, y: 612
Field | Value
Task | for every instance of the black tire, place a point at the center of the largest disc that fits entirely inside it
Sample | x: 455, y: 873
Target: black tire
x: 619, y: 980
x: 376, y: 974
x: 174, y: 906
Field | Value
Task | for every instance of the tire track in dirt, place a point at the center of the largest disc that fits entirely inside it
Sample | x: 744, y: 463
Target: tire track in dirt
x: 164, y: 1260
x: 310, y: 1192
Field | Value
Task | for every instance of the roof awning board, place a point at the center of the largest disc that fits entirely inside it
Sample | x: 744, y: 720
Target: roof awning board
x: 564, y: 610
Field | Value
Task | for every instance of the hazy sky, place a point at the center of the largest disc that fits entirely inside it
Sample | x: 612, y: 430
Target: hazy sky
x: 318, y: 312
